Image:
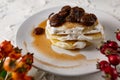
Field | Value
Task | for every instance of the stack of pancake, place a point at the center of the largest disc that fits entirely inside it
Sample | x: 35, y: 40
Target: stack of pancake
x: 73, y: 28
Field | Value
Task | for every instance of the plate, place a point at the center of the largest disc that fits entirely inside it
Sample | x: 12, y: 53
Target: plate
x: 72, y: 67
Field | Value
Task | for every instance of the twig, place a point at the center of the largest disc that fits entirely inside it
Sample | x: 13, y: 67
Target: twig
x: 7, y: 76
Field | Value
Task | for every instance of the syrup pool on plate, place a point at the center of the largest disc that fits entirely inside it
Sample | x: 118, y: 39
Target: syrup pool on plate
x: 43, y: 45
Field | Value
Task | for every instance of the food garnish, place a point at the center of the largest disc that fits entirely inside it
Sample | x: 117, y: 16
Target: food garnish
x: 14, y: 65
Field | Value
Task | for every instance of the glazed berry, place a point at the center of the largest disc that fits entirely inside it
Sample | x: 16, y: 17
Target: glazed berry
x: 114, y: 59
x: 93, y: 16
x: 71, y: 18
x: 74, y: 14
x: 63, y: 14
x: 118, y: 34
x: 66, y: 8
x: 112, y: 44
x: 56, y: 20
x: 88, y: 19
x: 77, y: 13
x: 102, y: 65
x: 38, y: 31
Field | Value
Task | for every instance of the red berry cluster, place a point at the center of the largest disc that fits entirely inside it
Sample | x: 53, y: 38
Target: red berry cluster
x: 111, y: 50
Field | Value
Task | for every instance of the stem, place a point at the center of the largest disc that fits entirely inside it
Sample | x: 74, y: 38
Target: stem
x: 118, y: 47
x: 116, y: 67
x: 7, y: 76
x: 1, y: 65
x: 118, y: 74
x: 118, y: 50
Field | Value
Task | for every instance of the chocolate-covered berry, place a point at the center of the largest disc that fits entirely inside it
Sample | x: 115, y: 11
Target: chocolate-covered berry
x: 56, y: 20
x: 93, y: 16
x: 38, y: 31
x: 66, y: 8
x: 88, y: 19
x: 70, y: 18
x: 75, y: 14
x: 63, y: 14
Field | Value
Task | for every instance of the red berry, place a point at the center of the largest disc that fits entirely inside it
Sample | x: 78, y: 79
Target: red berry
x: 103, y: 48
x: 112, y: 44
x: 102, y: 65
x: 112, y: 72
x: 114, y: 59
x: 107, y: 51
x: 109, y: 47
x: 118, y: 34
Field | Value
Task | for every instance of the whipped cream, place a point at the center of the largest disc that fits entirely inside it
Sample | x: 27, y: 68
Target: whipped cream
x: 79, y: 44
x: 75, y: 33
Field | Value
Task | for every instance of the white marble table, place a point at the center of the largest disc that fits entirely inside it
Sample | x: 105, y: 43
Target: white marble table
x: 14, y: 12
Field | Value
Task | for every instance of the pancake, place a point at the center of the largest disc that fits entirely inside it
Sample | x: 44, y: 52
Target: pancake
x: 73, y: 33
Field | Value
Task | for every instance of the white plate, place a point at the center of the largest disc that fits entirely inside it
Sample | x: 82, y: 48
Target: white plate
x: 83, y: 67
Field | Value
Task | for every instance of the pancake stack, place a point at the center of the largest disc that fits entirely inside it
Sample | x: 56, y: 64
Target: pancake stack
x: 73, y: 28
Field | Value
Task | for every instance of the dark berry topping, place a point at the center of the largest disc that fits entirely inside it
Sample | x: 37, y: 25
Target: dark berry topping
x: 66, y: 8
x: 63, y: 14
x: 71, y: 18
x: 93, y: 16
x: 38, y: 31
x: 75, y: 14
x: 56, y: 20
x: 88, y: 19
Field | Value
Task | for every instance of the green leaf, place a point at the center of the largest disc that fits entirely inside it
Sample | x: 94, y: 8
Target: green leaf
x: 3, y: 74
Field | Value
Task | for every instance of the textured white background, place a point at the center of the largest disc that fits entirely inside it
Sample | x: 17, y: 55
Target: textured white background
x: 14, y: 12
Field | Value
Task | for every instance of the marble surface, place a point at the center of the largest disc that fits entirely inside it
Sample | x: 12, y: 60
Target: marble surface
x: 14, y: 12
